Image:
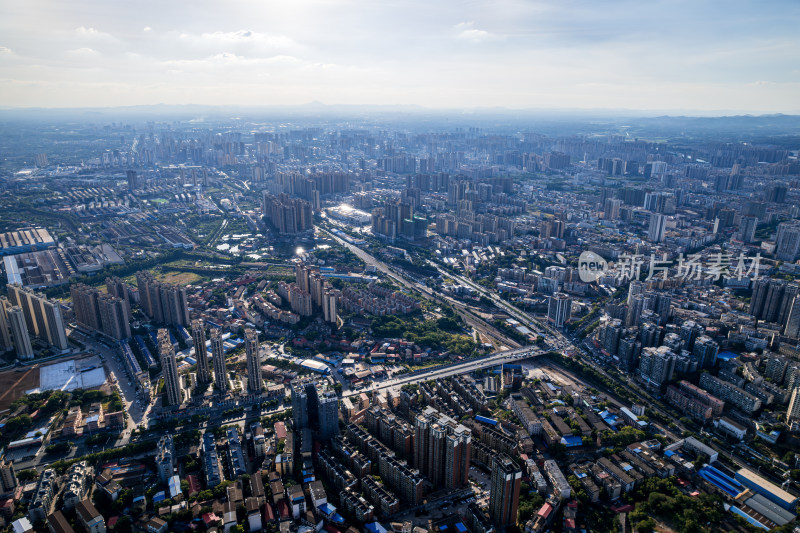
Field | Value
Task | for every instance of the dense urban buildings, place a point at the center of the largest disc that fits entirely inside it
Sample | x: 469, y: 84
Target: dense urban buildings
x: 218, y: 356
x: 315, y: 408
x: 504, y: 493
x: 19, y: 333
x: 694, y: 401
x: 559, y: 309
x: 288, y: 215
x: 162, y: 302
x: 403, y: 332
x: 8, y: 478
x: 42, y: 317
x: 172, y: 380
x: 200, y: 351
x: 253, y: 361
x: 442, y: 448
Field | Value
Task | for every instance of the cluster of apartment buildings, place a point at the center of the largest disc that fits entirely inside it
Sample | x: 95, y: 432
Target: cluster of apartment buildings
x: 310, y: 291
x: 287, y: 214
x: 397, y: 218
x: 173, y: 381
x: 101, y: 312
x: 26, y: 313
x: 164, y: 303
x: 268, y: 307
x: 73, y: 489
x: 377, y: 300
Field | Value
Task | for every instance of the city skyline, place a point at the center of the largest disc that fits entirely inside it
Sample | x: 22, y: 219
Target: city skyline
x: 358, y: 315
x: 676, y: 57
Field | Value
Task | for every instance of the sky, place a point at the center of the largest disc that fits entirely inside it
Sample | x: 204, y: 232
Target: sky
x: 697, y: 56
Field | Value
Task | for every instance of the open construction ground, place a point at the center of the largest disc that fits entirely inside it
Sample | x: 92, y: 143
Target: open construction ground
x: 14, y: 383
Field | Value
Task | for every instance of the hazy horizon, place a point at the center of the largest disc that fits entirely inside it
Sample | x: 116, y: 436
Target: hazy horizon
x: 668, y: 57
x: 418, y: 108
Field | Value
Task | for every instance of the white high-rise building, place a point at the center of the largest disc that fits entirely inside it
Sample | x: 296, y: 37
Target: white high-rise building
x: 658, y: 225
x: 792, y: 326
x: 611, y: 209
x: 200, y: 352
x: 55, y: 332
x: 657, y: 365
x: 329, y: 306
x: 19, y: 332
x: 787, y: 242
x: 253, y: 361
x: 42, y: 317
x: 165, y: 458
x: 5, y: 332
x: 218, y: 353
x: 169, y: 369
x: 793, y: 413
x: 635, y: 288
x: 559, y: 309
x: 747, y: 229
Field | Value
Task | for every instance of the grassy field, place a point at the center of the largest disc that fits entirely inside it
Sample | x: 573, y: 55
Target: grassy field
x: 169, y: 276
x: 179, y: 278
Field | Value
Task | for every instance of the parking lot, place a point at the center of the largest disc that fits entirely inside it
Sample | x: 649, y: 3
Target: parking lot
x: 481, y: 483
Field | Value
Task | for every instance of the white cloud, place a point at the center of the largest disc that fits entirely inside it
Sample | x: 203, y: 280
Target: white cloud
x: 227, y: 59
x: 252, y: 41
x: 466, y: 31
x: 83, y: 30
x: 83, y: 52
x: 147, y: 29
x: 5, y: 50
x: 231, y: 36
x: 474, y: 35
x: 93, y: 33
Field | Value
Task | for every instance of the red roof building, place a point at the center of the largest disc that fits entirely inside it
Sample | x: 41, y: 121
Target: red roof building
x: 7, y: 508
x: 623, y: 509
x: 283, y: 509
x: 269, y: 513
x: 209, y: 519
x: 194, y: 484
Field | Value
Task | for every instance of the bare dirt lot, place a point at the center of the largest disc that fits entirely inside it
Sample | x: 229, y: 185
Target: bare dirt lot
x: 13, y: 384
x: 547, y: 372
x: 178, y: 278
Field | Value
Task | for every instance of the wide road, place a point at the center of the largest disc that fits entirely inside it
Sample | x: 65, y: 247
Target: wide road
x: 470, y: 365
x: 487, y: 361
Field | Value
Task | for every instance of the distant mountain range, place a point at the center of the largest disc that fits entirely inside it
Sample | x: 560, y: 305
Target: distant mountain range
x: 664, y: 125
